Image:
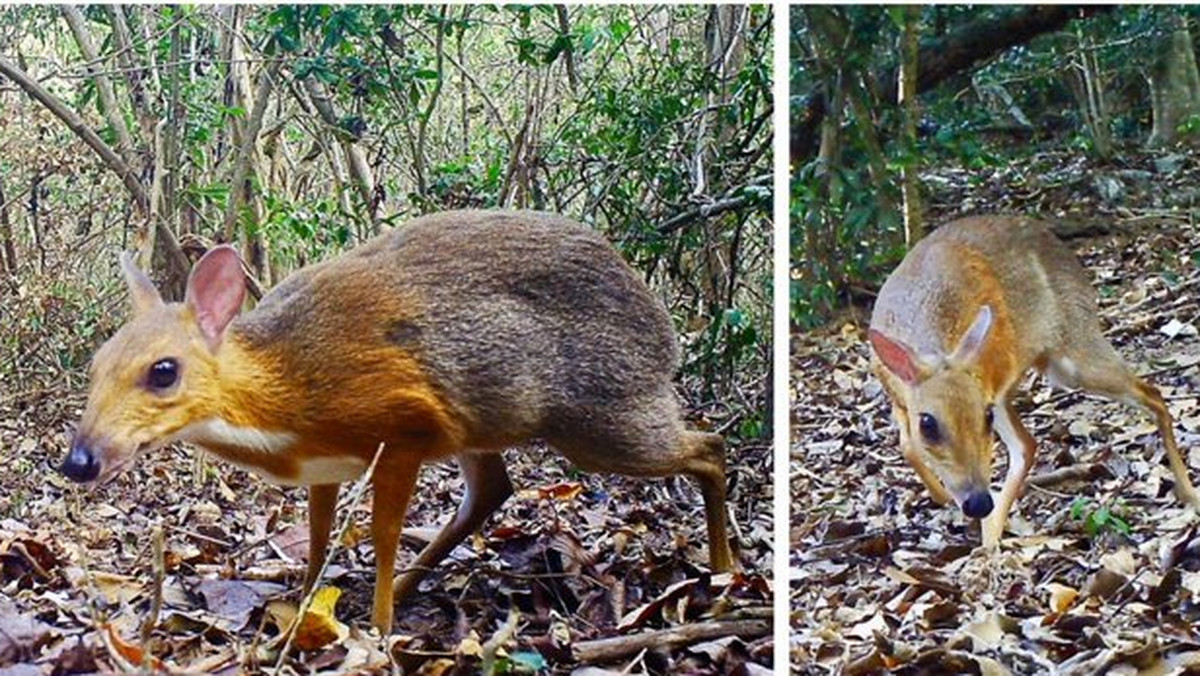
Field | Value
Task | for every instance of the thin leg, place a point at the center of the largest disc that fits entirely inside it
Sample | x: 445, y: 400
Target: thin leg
x: 322, y: 504
x: 708, y: 468
x: 645, y: 436
x: 1108, y: 376
x: 1151, y: 400
x: 393, y: 483
x: 488, y: 486
x: 1021, y: 451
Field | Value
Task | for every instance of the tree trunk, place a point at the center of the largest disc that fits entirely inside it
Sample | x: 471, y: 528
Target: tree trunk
x: 464, y: 84
x: 914, y: 229
x: 360, y: 171
x: 564, y: 30
x: 1089, y: 92
x: 819, y: 227
x: 419, y: 159
x: 104, y: 87
x: 1174, y: 83
x: 239, y: 189
x: 138, y: 97
x: 6, y: 234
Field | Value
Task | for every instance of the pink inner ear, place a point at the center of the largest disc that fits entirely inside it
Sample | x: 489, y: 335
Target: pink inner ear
x: 216, y: 290
x: 895, y: 356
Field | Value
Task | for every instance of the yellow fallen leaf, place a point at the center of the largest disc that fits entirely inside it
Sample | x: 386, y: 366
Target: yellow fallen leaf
x: 319, y: 627
x: 1061, y: 597
x: 116, y: 588
x: 470, y: 647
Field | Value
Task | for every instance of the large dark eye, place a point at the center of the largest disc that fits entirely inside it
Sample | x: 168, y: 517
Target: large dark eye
x: 163, y: 374
x: 929, y: 429
x: 989, y: 416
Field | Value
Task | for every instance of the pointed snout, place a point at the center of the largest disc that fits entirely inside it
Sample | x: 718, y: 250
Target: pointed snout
x: 81, y: 465
x: 978, y: 504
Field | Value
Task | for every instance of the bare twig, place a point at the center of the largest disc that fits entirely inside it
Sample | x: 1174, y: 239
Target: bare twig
x: 160, y: 574
x: 609, y: 649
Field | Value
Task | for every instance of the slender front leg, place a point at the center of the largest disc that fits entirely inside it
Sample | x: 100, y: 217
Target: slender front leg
x: 488, y: 486
x: 322, y: 506
x: 393, y: 482
x: 1021, y: 451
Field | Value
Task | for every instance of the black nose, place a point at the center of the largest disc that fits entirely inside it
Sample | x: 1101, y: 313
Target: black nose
x: 80, y: 464
x: 978, y: 505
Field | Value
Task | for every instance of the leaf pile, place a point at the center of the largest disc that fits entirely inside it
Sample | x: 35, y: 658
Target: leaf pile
x: 569, y: 561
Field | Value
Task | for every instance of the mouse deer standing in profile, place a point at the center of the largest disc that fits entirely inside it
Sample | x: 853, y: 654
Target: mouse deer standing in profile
x: 974, y: 307
x: 457, y: 334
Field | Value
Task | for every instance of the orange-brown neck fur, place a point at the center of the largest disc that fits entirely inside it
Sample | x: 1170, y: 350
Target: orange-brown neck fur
x: 381, y: 398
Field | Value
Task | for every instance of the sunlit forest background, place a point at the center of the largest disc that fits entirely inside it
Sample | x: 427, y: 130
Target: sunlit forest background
x: 1051, y: 107
x: 295, y: 133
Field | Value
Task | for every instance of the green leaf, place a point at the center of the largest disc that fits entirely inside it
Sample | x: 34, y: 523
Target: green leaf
x: 619, y: 29
x: 530, y: 660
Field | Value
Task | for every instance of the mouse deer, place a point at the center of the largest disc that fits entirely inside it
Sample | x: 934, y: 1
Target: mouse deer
x: 457, y: 334
x: 969, y: 311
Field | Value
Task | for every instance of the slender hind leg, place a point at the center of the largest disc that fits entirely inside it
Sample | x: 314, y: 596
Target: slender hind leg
x: 707, y: 465
x: 1102, y: 372
x: 488, y: 486
x: 1151, y: 400
x: 644, y: 436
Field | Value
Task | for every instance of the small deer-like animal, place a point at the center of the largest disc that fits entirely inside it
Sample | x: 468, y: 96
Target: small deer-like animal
x: 458, y: 334
x: 971, y: 309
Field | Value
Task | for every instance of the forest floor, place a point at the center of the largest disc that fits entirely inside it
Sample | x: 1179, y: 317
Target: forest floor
x: 570, y: 559
x: 1096, y: 575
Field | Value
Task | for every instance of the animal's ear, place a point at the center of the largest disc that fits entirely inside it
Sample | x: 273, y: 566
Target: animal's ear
x: 141, y: 290
x: 897, y: 357
x: 970, y: 346
x: 215, y: 291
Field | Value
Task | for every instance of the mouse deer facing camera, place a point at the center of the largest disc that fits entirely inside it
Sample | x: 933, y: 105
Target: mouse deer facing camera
x: 968, y: 312
x: 458, y: 334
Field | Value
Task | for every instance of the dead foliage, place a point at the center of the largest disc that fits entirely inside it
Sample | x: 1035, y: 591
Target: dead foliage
x: 570, y: 561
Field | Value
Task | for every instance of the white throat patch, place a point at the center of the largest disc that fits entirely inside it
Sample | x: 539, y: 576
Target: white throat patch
x: 219, y: 431
x: 309, y: 471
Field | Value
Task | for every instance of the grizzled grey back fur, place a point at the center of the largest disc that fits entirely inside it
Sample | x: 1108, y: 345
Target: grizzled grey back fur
x: 527, y: 322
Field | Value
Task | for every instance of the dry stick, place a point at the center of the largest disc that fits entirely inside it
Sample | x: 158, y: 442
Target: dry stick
x: 93, y: 592
x: 1081, y: 472
x: 160, y: 573
x: 355, y: 496
x: 201, y: 536
x: 497, y: 641
x: 609, y: 649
